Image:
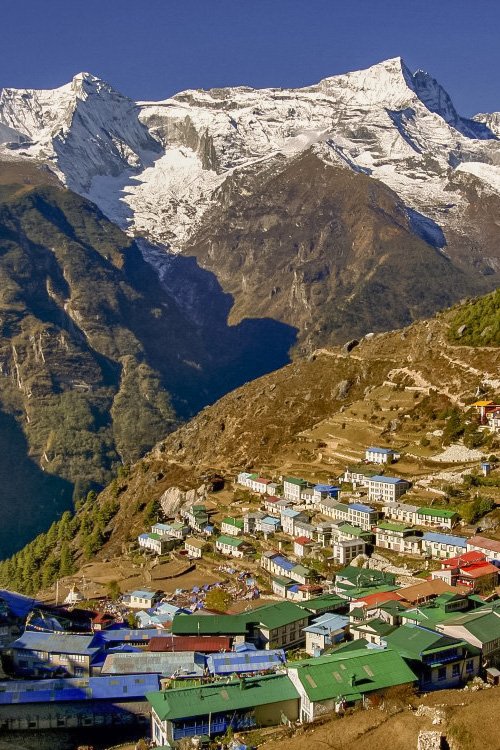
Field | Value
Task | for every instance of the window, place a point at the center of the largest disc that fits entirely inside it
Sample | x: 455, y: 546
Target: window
x: 469, y: 667
x: 455, y: 670
x: 442, y: 673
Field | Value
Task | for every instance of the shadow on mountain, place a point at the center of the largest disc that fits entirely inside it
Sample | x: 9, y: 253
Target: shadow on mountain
x: 426, y: 228
x: 206, y: 357
x: 30, y: 499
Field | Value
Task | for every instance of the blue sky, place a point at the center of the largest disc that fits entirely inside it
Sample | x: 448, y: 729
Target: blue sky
x: 150, y: 49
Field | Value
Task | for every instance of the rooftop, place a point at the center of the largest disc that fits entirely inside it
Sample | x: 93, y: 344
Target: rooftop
x: 386, y: 480
x: 216, y: 698
x: 362, y: 508
x: 456, y: 541
x: 352, y: 674
x: 415, y: 641
x: 229, y: 540
x: 436, y: 512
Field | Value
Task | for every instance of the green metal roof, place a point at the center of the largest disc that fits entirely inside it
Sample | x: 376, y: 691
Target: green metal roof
x: 379, y: 626
x: 347, y: 528
x: 302, y: 570
x: 272, y: 616
x: 388, y: 526
x: 238, y: 522
x: 208, y: 625
x: 184, y: 703
x: 352, y: 674
x: 295, y: 480
x: 223, y: 539
x: 326, y: 603
x: 482, y: 624
x: 437, y: 512
x: 414, y: 641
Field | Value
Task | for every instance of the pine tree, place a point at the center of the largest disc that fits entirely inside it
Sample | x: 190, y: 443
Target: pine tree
x: 66, y: 565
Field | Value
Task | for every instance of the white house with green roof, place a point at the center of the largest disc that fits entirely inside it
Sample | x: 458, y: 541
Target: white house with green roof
x: 213, y: 709
x: 232, y: 526
x: 401, y: 512
x: 156, y: 543
x: 231, y: 547
x: 292, y: 488
x: 436, y: 517
x: 398, y: 537
x: 327, y: 683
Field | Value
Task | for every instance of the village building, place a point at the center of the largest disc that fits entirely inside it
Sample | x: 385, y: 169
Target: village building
x: 260, y: 485
x: 323, y: 491
x: 324, y: 533
x: 232, y: 526
x: 276, y: 564
x: 303, y: 528
x: 288, y: 519
x: 345, y: 551
x: 357, y: 475
x: 274, y: 505
x: 470, y: 570
x: 58, y: 654
x: 381, y: 455
x: 185, y: 665
x: 372, y: 630
x: 141, y: 599
x: 398, y: 537
x: 325, y: 631
x: 356, y: 674
x: 493, y: 418
x: 445, y: 519
x: 203, y: 644
x: 346, y: 531
x: 177, y: 530
x: 232, y: 547
x: 268, y: 525
x: 401, y: 512
x: 196, y: 517
x: 292, y: 487
x: 245, y: 659
x: 250, y: 521
x: 384, y: 489
x: 490, y: 547
x: 440, y: 661
x: 480, y: 628
x: 302, y: 546
x: 98, y: 701
x: 441, y: 546
x: 155, y: 543
x: 244, y: 478
x: 362, y: 515
x: 212, y: 709
x: 195, y: 547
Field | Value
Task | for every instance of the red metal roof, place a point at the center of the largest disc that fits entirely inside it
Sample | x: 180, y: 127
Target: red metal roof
x: 466, y: 559
x: 371, y: 600
x: 304, y: 540
x: 203, y: 644
x: 478, y: 570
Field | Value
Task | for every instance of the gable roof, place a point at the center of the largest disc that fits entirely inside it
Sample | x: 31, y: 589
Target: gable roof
x: 208, y: 625
x: 217, y: 698
x: 414, y: 641
x: 352, y: 674
x: 436, y: 512
x: 485, y: 543
x: 456, y: 541
x: 58, y: 643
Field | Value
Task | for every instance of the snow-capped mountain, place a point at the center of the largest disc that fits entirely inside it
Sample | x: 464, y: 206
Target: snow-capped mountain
x: 156, y: 167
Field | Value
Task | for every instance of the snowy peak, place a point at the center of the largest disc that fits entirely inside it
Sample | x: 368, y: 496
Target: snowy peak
x: 389, y: 83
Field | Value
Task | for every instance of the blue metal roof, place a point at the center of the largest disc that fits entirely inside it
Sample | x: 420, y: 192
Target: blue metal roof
x: 388, y: 480
x: 20, y: 605
x: 283, y: 562
x: 58, y: 643
x: 457, y: 541
x: 361, y: 507
x: 290, y: 512
x: 326, y: 488
x: 384, y: 451
x: 271, y: 520
x: 327, y: 623
x: 124, y: 635
x: 122, y: 687
x: 249, y: 661
x: 143, y: 594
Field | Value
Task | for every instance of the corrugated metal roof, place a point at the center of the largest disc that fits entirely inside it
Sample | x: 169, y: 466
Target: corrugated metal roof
x: 250, y: 661
x: 122, y: 687
x: 352, y: 674
x: 125, y: 635
x: 185, y: 703
x: 189, y: 663
x: 456, y: 541
x: 202, y: 644
x: 59, y: 643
